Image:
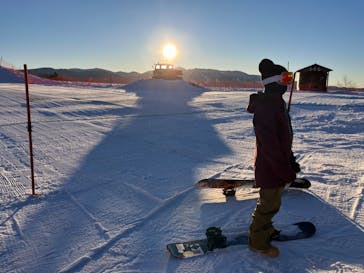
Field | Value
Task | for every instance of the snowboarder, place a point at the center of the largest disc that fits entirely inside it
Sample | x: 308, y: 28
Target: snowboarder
x: 275, y: 164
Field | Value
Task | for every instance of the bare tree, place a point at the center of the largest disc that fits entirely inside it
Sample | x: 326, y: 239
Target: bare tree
x: 346, y: 83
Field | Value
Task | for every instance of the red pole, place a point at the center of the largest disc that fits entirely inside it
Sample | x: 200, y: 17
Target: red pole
x: 290, y: 94
x: 29, y: 128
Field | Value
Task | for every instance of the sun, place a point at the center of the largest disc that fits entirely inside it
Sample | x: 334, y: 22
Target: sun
x: 169, y: 51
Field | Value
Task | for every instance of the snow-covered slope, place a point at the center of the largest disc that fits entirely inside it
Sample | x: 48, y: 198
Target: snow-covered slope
x: 13, y: 76
x: 115, y: 170
x: 10, y: 76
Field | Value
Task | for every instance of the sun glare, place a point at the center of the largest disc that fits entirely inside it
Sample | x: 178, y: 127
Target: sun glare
x: 169, y: 51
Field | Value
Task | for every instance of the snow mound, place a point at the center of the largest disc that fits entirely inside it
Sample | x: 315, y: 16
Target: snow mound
x: 163, y: 86
x: 158, y: 96
x: 12, y: 76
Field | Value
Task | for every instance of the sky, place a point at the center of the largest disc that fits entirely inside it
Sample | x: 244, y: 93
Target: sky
x: 129, y: 35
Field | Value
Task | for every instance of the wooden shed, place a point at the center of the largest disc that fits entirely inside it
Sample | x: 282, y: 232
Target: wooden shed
x: 314, y: 77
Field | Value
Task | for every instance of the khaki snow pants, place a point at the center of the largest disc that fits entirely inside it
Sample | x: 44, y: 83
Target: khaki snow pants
x: 261, y: 227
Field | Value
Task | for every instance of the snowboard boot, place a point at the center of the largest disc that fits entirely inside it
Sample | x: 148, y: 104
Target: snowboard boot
x: 271, y: 251
x: 275, y: 234
x: 259, y: 241
x: 215, y: 239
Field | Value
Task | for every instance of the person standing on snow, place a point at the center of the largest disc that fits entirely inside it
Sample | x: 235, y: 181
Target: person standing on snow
x: 275, y: 165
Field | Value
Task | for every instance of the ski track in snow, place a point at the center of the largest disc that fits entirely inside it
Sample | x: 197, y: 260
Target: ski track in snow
x: 115, y: 171
x: 96, y: 253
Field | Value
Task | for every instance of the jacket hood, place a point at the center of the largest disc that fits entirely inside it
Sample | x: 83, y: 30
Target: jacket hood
x: 263, y: 99
x: 252, y: 103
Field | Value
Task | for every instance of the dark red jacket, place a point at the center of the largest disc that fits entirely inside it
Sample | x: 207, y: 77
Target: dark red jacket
x: 273, y: 140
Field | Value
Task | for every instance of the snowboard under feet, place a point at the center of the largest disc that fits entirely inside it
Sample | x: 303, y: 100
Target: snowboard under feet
x: 193, y: 248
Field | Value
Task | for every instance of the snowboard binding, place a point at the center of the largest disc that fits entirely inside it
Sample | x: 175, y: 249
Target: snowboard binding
x: 215, y: 239
x: 300, y: 183
x: 229, y: 192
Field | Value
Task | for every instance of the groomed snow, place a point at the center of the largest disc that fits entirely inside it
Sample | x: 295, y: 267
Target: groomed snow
x: 115, y: 169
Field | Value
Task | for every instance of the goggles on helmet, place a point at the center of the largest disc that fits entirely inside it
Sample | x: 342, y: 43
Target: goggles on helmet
x: 285, y: 78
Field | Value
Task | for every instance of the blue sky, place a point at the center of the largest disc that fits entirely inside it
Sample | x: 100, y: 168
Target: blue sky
x: 128, y: 35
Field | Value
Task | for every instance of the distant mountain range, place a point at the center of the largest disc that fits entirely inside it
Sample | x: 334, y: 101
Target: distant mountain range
x: 206, y: 77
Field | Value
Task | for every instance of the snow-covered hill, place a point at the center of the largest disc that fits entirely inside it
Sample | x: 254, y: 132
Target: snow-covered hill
x: 115, y: 170
x: 12, y: 76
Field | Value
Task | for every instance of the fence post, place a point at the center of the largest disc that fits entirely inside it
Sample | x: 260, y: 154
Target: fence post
x: 29, y: 128
x: 290, y: 94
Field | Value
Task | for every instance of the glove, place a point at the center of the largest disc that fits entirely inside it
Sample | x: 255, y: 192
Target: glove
x: 294, y: 165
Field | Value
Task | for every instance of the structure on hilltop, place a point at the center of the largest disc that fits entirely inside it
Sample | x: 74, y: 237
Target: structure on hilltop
x: 166, y: 72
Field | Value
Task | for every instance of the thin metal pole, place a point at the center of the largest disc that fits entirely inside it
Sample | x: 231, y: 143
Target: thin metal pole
x: 29, y: 128
x: 290, y: 94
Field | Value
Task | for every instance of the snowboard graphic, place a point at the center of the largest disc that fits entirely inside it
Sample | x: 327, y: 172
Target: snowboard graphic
x: 229, y: 185
x: 193, y: 248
